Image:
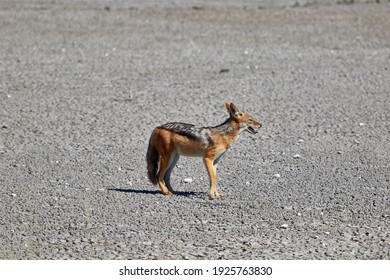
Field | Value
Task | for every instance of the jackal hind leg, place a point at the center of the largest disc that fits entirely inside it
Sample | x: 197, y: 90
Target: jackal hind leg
x: 164, y: 163
x: 171, y: 164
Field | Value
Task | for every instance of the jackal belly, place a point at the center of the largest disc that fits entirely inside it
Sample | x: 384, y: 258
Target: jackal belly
x: 189, y: 147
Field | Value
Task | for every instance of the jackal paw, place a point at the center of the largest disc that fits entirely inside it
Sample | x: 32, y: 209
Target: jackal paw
x: 215, y: 195
x: 168, y: 193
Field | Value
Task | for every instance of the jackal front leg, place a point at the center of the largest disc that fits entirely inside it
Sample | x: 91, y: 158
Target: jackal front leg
x: 211, y: 170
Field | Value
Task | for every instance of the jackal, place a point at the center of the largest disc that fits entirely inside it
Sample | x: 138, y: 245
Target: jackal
x: 169, y: 141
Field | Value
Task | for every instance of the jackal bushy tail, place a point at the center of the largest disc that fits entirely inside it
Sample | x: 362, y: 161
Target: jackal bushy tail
x: 152, y: 158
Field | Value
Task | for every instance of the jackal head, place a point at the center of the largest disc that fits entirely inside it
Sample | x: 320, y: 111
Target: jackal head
x: 245, y: 121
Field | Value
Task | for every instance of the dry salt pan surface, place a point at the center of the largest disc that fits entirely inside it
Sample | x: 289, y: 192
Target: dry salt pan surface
x: 83, y: 83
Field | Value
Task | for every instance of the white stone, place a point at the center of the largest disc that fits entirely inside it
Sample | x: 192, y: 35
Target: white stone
x: 187, y: 180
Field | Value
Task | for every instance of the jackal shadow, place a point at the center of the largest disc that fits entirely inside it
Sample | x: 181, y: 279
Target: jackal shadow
x: 155, y: 192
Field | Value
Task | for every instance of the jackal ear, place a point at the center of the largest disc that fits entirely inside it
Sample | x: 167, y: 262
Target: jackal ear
x: 227, y: 107
x: 234, y: 111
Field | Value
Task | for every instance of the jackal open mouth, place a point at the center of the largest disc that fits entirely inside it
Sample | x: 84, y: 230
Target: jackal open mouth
x: 252, y: 130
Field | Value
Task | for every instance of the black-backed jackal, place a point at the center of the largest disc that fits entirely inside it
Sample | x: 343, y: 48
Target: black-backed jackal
x: 169, y: 141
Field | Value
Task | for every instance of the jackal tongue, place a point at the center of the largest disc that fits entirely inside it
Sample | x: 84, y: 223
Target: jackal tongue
x: 252, y: 130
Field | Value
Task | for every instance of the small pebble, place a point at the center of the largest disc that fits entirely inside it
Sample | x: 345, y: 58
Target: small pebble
x: 255, y: 245
x: 297, y: 156
x: 277, y: 175
x: 247, y: 183
x: 362, y: 124
x: 14, y: 194
x: 187, y: 180
x: 284, y: 226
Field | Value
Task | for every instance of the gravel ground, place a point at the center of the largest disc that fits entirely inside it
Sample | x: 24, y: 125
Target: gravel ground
x: 83, y: 84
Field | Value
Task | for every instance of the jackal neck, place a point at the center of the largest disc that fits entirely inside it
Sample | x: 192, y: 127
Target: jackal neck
x: 228, y: 127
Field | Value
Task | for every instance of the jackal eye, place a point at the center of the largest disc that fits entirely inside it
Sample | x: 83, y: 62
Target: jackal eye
x: 250, y: 119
